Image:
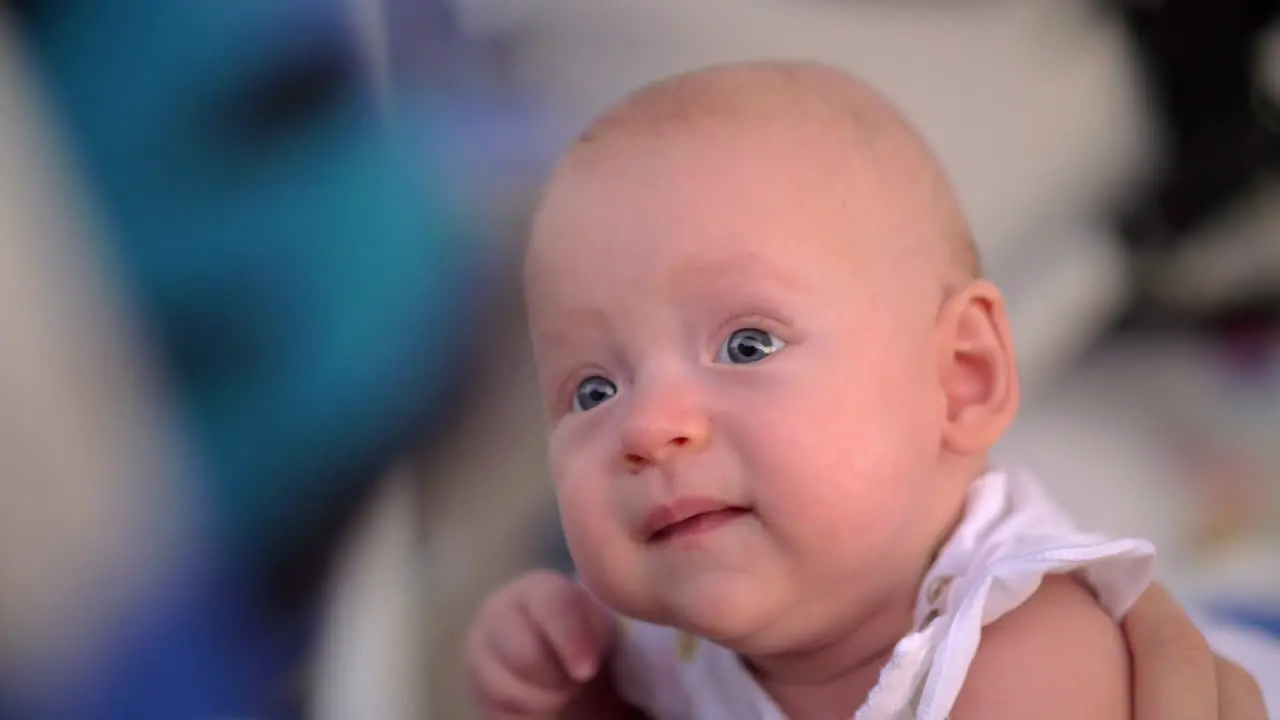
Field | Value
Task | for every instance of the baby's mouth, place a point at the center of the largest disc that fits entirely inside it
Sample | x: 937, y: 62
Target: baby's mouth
x: 689, y: 517
x: 698, y: 524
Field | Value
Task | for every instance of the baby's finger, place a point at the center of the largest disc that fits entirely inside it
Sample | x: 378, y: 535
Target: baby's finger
x: 567, y: 624
x: 518, y: 644
x: 503, y: 694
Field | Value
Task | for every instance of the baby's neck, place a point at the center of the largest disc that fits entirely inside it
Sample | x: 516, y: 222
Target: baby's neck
x: 833, y: 679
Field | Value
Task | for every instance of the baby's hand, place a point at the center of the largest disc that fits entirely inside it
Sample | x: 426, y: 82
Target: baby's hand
x: 534, y: 645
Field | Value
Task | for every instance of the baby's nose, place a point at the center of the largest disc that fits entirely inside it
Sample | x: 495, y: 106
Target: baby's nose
x: 660, y: 427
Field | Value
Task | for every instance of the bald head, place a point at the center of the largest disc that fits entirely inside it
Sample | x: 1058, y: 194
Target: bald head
x: 820, y: 103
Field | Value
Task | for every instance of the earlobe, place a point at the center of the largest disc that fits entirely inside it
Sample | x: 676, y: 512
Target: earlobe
x: 977, y: 369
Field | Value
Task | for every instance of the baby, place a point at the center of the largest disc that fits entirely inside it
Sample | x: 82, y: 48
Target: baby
x: 773, y: 374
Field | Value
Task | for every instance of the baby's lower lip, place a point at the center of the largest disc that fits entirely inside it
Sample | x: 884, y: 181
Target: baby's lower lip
x: 698, y: 525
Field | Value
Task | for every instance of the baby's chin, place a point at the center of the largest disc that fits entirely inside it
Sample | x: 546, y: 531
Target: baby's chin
x: 732, y: 612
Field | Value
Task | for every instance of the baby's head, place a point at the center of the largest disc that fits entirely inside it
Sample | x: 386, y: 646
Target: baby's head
x: 754, y: 298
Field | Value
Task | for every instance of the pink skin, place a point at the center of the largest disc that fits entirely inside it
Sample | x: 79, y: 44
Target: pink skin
x: 646, y: 258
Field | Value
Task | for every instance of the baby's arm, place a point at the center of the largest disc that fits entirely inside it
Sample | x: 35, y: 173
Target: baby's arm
x: 1059, y: 655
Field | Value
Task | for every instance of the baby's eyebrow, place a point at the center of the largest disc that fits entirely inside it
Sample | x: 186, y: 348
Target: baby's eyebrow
x: 695, y: 271
x: 567, y: 326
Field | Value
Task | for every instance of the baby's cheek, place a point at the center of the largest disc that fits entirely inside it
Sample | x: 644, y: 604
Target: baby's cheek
x: 583, y: 515
x: 836, y: 489
x: 597, y: 542
x: 604, y: 568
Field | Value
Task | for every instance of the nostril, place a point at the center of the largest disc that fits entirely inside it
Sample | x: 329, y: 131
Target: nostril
x: 648, y: 453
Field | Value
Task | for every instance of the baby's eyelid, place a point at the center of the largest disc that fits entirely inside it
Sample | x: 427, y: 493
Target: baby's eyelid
x: 753, y: 321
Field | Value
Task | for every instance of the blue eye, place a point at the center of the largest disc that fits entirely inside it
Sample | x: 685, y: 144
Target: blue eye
x: 748, y: 345
x: 591, y: 392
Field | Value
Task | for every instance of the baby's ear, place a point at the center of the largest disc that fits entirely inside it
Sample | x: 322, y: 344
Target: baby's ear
x: 977, y: 369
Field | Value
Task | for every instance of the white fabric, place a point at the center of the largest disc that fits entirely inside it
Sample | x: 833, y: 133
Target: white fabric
x: 1011, y: 536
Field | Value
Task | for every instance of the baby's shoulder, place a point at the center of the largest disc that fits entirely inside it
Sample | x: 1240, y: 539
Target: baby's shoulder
x: 1060, y: 653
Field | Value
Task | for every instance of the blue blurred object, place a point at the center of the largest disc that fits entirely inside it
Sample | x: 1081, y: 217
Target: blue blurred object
x: 300, y: 272
x: 307, y: 283
x: 1261, y: 617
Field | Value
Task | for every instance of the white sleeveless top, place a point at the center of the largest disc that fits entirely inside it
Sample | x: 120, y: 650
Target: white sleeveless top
x: 1011, y: 536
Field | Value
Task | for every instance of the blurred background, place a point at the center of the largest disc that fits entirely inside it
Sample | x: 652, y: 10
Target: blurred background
x: 268, y: 425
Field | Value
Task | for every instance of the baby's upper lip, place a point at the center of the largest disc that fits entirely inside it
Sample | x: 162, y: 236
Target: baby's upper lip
x: 679, y: 510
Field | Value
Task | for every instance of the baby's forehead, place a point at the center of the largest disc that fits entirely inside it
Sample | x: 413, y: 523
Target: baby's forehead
x: 710, y: 275
x: 807, y: 152
x: 830, y: 117
x: 734, y: 205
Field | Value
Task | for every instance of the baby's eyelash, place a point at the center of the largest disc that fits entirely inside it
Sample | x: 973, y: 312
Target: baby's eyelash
x: 753, y: 320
